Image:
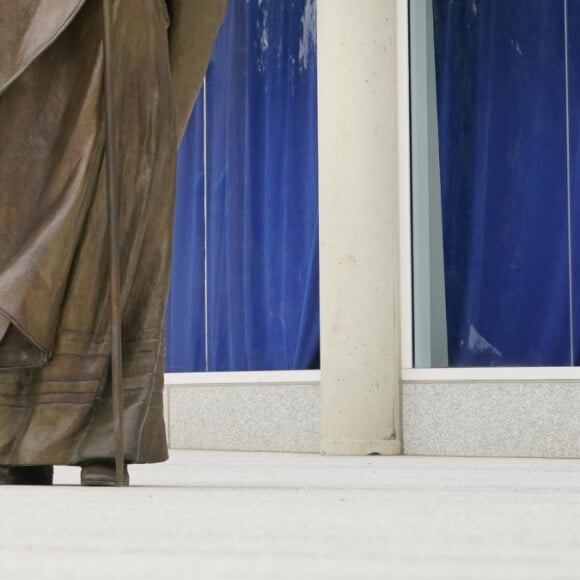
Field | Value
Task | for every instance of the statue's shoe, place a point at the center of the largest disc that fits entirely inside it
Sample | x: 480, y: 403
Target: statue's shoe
x: 26, y: 474
x: 102, y: 473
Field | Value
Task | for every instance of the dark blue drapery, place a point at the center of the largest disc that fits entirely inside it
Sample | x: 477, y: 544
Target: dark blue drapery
x: 261, y: 232
x: 501, y: 89
x: 185, y: 320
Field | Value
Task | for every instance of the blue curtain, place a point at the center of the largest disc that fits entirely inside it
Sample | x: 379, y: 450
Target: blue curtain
x: 185, y: 319
x: 574, y: 91
x: 261, y: 232
x: 501, y: 88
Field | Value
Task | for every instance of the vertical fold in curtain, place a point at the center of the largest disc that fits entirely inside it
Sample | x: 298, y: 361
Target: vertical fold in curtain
x: 573, y: 18
x: 185, y: 320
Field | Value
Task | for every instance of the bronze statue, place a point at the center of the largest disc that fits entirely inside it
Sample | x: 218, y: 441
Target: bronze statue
x: 55, y: 335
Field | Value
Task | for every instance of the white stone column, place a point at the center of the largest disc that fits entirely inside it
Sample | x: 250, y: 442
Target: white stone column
x: 359, y: 265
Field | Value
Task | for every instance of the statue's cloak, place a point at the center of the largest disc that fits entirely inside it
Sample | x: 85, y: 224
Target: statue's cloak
x: 55, y: 393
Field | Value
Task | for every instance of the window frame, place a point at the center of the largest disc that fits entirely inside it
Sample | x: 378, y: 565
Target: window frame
x: 450, y: 374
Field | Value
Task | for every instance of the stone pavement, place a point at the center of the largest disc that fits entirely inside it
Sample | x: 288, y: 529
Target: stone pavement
x: 214, y: 515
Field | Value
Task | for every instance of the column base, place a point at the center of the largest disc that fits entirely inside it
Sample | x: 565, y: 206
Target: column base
x: 329, y: 447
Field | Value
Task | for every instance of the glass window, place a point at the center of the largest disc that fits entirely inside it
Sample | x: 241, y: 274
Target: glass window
x: 244, y: 292
x: 496, y: 170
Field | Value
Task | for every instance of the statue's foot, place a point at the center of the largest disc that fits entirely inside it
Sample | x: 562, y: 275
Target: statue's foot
x: 26, y: 474
x: 101, y: 473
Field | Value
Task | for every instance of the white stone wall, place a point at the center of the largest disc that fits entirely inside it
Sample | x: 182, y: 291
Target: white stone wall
x: 271, y: 413
x: 447, y: 419
x: 492, y: 419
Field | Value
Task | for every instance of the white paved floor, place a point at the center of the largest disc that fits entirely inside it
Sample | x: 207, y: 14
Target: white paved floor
x: 276, y: 516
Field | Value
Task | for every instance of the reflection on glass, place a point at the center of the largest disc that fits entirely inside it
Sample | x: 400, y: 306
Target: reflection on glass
x: 495, y: 172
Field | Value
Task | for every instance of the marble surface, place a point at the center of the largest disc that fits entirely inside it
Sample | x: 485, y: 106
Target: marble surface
x: 245, y: 417
x: 500, y: 419
x: 481, y: 419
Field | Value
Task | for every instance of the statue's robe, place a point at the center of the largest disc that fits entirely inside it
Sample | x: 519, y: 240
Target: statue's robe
x: 55, y: 343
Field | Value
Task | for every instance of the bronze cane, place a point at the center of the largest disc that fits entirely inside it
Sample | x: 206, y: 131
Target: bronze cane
x: 114, y: 276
